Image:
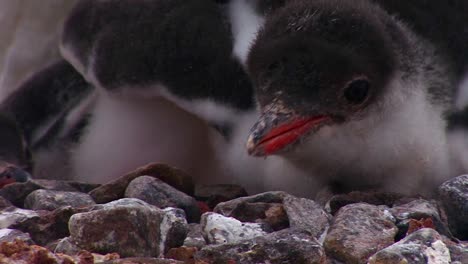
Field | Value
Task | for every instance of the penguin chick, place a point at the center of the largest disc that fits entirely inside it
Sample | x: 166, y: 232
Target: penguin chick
x: 355, y: 95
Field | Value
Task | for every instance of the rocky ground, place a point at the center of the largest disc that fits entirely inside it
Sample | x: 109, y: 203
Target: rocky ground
x: 157, y: 215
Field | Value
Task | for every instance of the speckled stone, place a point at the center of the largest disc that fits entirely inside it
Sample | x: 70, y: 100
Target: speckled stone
x: 51, y: 200
x: 285, y: 246
x: 358, y: 231
x: 454, y: 197
x: 218, y: 229
x: 421, y: 247
x: 127, y: 226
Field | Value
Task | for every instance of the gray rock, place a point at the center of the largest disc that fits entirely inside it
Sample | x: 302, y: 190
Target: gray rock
x: 420, y: 247
x: 66, y: 246
x: 48, y: 226
x: 195, y: 237
x: 128, y: 226
x: 372, y: 197
x: 217, y: 193
x: 454, y: 197
x: 218, y: 229
x: 279, y: 210
x: 12, y: 216
x: 162, y: 195
x: 358, y: 231
x: 51, y: 200
x: 173, y: 228
x: 285, y: 246
x: 307, y: 214
x: 17, y: 192
x: 10, y: 235
x: 458, y: 251
x: 116, y: 189
x: 418, y: 209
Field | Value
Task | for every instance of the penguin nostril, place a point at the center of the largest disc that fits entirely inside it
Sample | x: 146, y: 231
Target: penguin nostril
x: 357, y: 91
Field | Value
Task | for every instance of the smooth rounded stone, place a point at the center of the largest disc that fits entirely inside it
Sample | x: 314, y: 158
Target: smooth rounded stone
x: 454, y: 197
x: 371, y: 197
x: 51, y: 200
x: 422, y: 246
x: 49, y: 225
x: 129, y: 227
x: 162, y: 195
x: 12, y: 216
x: 115, y: 190
x: 217, y: 193
x: 195, y: 236
x: 285, y: 246
x: 66, y: 186
x: 17, y: 192
x: 358, y: 231
x: 10, y: 235
x: 279, y: 210
x: 218, y: 229
x: 417, y: 209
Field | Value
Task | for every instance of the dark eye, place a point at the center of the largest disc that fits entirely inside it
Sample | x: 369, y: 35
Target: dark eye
x: 357, y: 91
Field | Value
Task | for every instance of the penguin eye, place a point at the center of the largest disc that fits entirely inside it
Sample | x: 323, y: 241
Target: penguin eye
x: 357, y: 91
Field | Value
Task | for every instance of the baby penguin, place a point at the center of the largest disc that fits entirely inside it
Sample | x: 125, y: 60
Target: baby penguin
x: 281, y: 95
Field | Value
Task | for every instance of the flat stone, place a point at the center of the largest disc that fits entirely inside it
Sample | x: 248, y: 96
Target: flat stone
x: 279, y: 210
x: 421, y: 247
x: 454, y: 197
x: 10, y: 235
x: 115, y: 190
x: 220, y: 229
x: 285, y: 246
x: 51, y: 200
x: 195, y: 237
x: 130, y: 227
x: 358, y: 231
x: 17, y: 192
x: 162, y: 195
x: 217, y: 193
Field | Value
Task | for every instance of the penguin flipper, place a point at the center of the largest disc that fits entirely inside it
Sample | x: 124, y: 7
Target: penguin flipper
x: 180, y: 50
x: 41, y: 106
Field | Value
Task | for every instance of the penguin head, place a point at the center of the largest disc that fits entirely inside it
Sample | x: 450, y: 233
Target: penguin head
x: 316, y: 64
